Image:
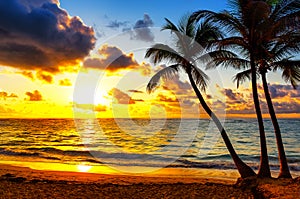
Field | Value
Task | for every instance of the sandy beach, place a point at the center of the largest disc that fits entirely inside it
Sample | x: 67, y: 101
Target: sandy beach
x: 23, y: 182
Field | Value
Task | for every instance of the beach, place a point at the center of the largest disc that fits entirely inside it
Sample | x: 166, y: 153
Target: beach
x: 23, y: 182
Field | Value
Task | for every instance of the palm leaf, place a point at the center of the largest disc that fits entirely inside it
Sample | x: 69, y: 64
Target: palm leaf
x: 237, y: 63
x: 241, y: 77
x: 290, y: 70
x: 162, y: 52
x: 200, y: 78
x: 166, y: 73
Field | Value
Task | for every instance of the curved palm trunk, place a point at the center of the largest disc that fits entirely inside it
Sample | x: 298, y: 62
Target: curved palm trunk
x: 244, y: 170
x: 264, y: 168
x: 284, y: 168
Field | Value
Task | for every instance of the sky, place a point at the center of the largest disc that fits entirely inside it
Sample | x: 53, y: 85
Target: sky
x: 64, y: 58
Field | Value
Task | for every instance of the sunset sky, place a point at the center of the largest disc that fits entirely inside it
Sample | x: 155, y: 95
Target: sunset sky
x: 54, y: 56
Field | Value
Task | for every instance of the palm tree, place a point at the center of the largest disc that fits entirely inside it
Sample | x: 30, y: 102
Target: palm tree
x: 191, y: 41
x: 281, y: 40
x: 290, y: 73
x: 243, y: 22
x: 266, y: 28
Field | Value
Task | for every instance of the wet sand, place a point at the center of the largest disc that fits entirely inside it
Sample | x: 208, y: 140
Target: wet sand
x: 22, y: 182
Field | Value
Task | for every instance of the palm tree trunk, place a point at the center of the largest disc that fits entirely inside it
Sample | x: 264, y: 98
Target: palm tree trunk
x: 284, y: 168
x: 243, y: 169
x: 264, y: 168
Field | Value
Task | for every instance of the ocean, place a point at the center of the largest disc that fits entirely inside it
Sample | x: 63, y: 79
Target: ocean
x: 141, y: 145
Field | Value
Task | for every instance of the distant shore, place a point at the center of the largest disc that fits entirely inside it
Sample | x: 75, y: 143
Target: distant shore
x: 23, y: 182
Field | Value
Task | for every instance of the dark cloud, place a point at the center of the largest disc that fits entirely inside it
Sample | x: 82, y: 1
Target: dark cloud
x: 209, y: 96
x: 276, y: 92
x: 114, y: 60
x: 279, y: 90
x: 28, y: 74
x: 45, y: 77
x: 120, y: 97
x: 34, y: 96
x: 4, y: 95
x: 65, y: 82
x: 117, y: 24
x: 230, y: 94
x: 142, y: 31
x: 40, y: 35
x: 135, y: 91
x: 287, y: 107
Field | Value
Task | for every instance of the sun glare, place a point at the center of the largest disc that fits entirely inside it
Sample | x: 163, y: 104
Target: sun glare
x: 84, y: 168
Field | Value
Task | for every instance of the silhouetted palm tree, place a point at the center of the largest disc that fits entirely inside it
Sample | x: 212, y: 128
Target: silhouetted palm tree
x: 256, y: 27
x: 290, y: 73
x: 192, y: 39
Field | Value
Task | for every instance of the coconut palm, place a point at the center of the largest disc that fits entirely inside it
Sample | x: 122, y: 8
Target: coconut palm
x: 256, y: 27
x: 281, y: 40
x: 290, y: 73
x: 191, y: 40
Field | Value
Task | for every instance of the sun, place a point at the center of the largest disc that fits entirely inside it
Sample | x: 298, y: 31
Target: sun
x: 100, y: 98
x: 84, y: 168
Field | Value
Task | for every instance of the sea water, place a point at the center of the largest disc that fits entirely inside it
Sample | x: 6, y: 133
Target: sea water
x: 137, y: 145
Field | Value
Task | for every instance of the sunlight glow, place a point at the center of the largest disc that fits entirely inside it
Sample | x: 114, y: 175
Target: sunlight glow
x: 84, y: 168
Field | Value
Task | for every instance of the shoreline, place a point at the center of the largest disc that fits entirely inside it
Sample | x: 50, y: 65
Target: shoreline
x: 24, y: 182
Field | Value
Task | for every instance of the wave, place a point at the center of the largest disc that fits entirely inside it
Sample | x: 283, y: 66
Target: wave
x: 148, y: 160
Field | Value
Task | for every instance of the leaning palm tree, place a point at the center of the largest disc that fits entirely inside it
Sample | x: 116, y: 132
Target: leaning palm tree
x: 274, y: 38
x: 191, y: 40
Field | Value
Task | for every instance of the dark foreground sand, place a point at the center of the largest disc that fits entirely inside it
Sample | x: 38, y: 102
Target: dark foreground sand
x: 18, y: 182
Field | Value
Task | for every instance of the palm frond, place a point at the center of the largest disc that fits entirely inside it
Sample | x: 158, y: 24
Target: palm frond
x: 170, y: 26
x: 290, y: 70
x: 223, y: 20
x: 162, y: 52
x: 207, y: 34
x: 236, y: 63
x: 166, y: 73
x: 200, y: 78
x: 241, y: 77
x: 285, y: 7
x: 215, y: 55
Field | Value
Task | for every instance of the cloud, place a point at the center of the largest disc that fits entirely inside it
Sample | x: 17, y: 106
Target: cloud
x: 164, y: 98
x: 135, y: 91
x: 113, y: 60
x: 279, y: 90
x: 117, y: 24
x: 34, y: 96
x: 45, y: 77
x: 142, y: 31
x: 65, y: 82
x: 4, y: 95
x: 28, y: 74
x: 287, y: 107
x: 97, y: 108
x: 230, y: 94
x: 39, y: 35
x: 285, y: 99
x: 120, y: 97
x: 100, y: 108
